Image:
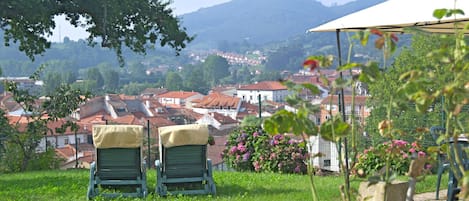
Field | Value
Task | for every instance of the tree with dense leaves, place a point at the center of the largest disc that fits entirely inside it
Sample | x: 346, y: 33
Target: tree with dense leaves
x: 285, y: 58
x: 404, y: 117
x: 20, y: 140
x: 51, y: 81
x: 111, y: 80
x: 115, y: 23
x: 194, y: 79
x: 95, y: 75
x: 174, y: 81
x: 215, y: 68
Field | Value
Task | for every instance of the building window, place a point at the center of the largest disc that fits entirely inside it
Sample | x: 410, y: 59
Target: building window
x: 66, y: 141
x: 327, y: 163
x: 265, y: 97
x: 120, y: 109
x: 250, y: 97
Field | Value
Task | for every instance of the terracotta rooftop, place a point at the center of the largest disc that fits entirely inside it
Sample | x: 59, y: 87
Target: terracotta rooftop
x: 178, y: 94
x: 154, y: 91
x: 222, y: 118
x: 347, y: 99
x: 264, y: 86
x: 66, y: 151
x: 218, y: 100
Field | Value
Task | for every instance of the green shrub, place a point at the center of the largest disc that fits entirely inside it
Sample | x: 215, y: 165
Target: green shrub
x: 248, y: 149
x: 398, y: 152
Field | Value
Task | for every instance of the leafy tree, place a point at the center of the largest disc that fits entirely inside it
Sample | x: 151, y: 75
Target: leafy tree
x: 268, y: 76
x: 134, y: 88
x: 174, y: 81
x: 285, y: 58
x: 215, y: 68
x: 194, y: 79
x: 88, y: 86
x: 69, y: 77
x: 243, y: 75
x: 137, y: 72
x: 22, y: 141
x: 95, y: 75
x: 251, y: 121
x: 51, y: 81
x: 131, y: 23
x: 111, y: 80
x: 404, y: 117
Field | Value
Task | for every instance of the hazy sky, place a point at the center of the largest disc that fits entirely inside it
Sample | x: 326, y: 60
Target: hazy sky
x: 187, y: 6
x: 64, y: 29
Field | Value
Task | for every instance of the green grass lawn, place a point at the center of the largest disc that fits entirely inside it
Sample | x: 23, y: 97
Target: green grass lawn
x: 73, y: 184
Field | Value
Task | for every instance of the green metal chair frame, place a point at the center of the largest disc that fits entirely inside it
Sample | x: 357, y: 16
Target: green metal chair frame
x: 184, y: 170
x: 119, y: 170
x: 443, y: 164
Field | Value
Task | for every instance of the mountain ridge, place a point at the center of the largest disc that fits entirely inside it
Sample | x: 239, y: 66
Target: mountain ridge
x: 262, y: 21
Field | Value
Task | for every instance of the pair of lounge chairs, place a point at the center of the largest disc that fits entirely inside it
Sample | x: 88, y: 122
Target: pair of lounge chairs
x: 120, y: 170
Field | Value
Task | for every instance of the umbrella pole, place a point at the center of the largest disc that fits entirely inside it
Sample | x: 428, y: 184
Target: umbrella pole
x: 342, y: 110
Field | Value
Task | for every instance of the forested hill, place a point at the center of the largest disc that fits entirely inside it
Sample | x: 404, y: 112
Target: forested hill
x: 262, y: 21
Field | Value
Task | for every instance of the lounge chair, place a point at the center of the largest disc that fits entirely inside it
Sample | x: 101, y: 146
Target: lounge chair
x: 183, y: 167
x: 118, y: 169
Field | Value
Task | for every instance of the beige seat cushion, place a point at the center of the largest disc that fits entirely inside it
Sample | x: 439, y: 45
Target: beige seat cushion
x: 117, y: 136
x: 192, y: 134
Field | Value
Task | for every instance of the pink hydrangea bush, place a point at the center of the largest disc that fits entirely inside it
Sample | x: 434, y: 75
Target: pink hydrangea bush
x: 398, y: 152
x: 248, y: 149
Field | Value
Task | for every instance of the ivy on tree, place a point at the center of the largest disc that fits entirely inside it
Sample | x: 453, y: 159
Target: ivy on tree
x: 136, y: 24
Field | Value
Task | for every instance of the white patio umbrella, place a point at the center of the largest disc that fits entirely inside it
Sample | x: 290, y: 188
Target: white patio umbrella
x: 395, y: 16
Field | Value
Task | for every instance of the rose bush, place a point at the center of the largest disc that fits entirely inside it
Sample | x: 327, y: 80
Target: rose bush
x: 397, y: 152
x: 248, y: 149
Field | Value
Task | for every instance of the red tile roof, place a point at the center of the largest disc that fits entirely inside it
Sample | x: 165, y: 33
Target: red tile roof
x: 264, y: 86
x: 222, y: 118
x: 65, y: 152
x: 22, y: 121
x: 218, y: 100
x: 347, y: 99
x: 178, y: 94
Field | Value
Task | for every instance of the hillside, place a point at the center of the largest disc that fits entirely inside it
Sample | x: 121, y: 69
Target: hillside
x: 262, y: 21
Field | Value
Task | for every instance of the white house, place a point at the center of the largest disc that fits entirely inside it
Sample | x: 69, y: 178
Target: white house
x: 219, y: 103
x: 218, y: 121
x: 178, y: 99
x: 267, y: 90
x: 329, y: 159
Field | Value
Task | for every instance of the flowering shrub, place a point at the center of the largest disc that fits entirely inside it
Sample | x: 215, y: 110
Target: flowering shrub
x: 398, y: 152
x: 250, y: 150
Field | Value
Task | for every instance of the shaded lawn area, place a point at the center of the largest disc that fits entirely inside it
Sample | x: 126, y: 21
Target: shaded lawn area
x: 73, y: 184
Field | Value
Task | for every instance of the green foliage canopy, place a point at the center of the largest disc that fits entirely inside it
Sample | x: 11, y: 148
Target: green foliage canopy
x: 117, y: 23
x: 215, y: 68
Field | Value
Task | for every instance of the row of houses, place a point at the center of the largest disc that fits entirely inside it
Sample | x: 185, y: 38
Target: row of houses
x: 222, y: 109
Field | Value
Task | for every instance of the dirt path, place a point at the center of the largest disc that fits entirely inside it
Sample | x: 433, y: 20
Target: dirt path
x: 430, y: 196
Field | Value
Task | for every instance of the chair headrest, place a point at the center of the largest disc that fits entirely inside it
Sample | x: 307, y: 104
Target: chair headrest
x: 192, y: 134
x: 117, y: 136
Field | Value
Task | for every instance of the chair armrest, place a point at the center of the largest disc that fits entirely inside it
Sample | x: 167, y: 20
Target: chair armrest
x: 157, y: 164
x: 209, y: 167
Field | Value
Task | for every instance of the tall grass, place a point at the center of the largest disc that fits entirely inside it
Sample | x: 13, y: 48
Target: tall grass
x: 72, y: 185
